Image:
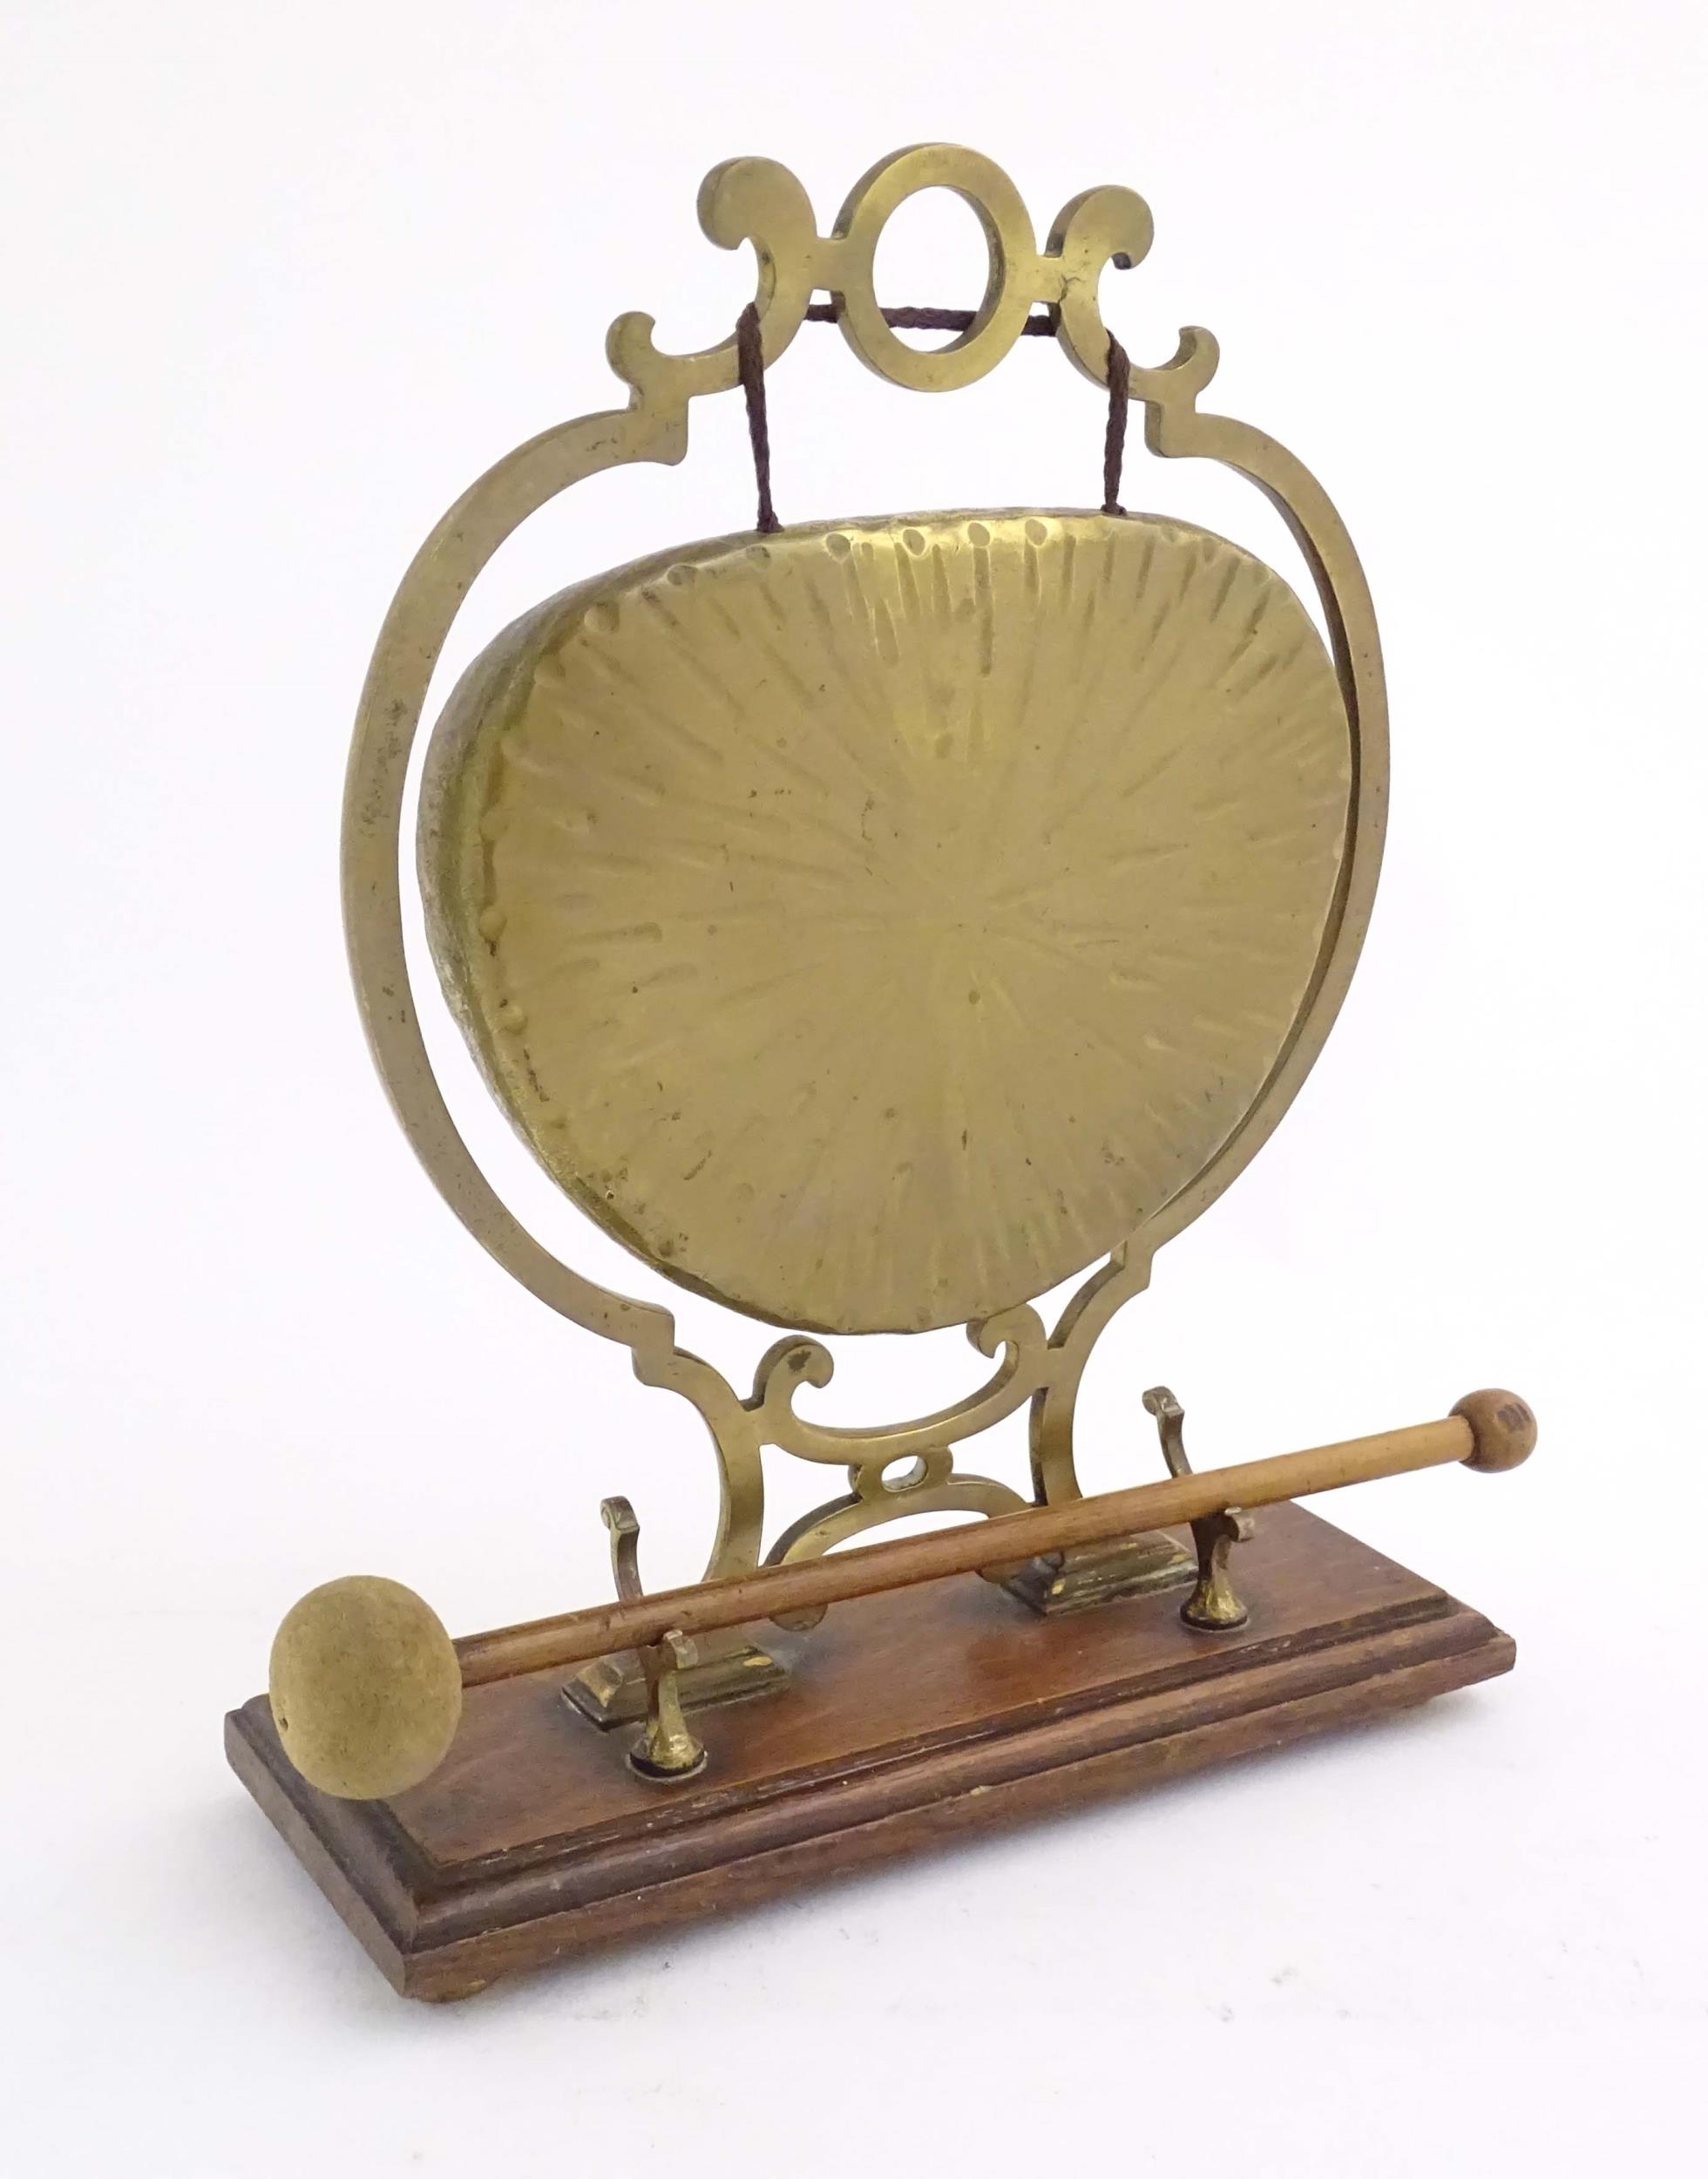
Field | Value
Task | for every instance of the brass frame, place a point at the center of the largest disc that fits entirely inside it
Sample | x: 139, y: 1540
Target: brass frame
x: 757, y: 200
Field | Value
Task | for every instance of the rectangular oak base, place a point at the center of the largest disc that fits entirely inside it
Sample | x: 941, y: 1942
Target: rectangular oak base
x: 910, y: 1718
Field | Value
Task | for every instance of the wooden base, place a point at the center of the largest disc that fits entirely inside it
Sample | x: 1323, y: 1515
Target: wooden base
x: 912, y: 1717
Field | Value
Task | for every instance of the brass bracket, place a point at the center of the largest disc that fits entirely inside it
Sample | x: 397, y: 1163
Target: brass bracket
x: 666, y: 1750
x: 1214, y: 1604
x: 1090, y: 1574
x: 727, y: 1667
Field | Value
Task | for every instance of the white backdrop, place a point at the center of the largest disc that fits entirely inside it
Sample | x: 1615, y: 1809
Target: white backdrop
x: 279, y: 282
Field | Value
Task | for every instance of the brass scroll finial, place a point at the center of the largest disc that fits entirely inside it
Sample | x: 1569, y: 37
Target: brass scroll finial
x: 758, y: 202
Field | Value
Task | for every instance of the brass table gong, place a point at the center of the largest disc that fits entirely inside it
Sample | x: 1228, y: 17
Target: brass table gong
x: 871, y: 924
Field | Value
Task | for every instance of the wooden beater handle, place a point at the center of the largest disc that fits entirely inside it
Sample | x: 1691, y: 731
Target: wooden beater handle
x: 366, y: 1687
x: 1487, y: 1430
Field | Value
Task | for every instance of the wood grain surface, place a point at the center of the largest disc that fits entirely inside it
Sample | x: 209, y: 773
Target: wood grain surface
x: 910, y: 1718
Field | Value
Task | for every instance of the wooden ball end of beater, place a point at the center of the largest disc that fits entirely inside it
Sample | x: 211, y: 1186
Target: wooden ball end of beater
x: 365, y: 1687
x: 1503, y: 1430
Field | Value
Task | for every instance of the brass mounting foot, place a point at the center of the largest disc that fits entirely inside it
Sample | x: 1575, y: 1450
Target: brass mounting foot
x: 1213, y: 1604
x: 667, y: 1750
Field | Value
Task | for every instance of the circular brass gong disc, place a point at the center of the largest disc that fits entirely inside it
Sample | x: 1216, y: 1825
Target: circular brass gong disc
x: 873, y: 925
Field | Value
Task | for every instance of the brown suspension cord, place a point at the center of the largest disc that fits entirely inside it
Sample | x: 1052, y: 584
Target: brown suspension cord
x: 1115, y: 435
x: 751, y: 362
x: 913, y: 317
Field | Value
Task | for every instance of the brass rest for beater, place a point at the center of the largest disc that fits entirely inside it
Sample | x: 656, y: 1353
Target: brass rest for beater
x: 366, y: 1687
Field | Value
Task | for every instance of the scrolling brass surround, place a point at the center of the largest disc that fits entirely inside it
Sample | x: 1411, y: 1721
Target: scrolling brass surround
x: 755, y: 201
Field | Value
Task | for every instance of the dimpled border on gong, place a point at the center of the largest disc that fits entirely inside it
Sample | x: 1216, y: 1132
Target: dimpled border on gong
x: 873, y: 925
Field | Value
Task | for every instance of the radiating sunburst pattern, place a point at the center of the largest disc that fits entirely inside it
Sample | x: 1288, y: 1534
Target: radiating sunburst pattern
x: 871, y: 924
